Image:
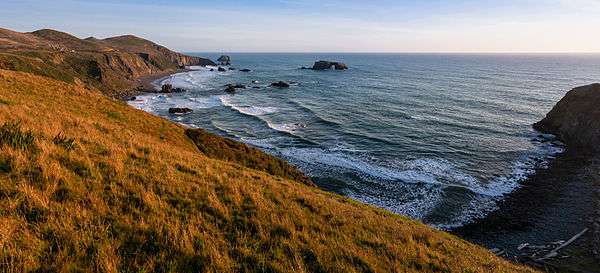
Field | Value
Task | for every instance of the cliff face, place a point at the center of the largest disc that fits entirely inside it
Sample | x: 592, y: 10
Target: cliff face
x: 576, y: 119
x: 111, y: 65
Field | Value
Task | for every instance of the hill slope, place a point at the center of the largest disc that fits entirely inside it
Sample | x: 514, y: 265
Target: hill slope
x: 88, y: 184
x: 112, y: 65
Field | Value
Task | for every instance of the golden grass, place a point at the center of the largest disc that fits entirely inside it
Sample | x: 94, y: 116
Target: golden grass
x: 132, y: 193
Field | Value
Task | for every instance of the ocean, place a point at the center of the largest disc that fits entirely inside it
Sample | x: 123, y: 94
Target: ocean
x: 437, y: 137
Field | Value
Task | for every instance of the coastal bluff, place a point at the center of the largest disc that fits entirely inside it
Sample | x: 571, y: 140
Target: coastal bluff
x: 576, y: 119
x: 112, y: 65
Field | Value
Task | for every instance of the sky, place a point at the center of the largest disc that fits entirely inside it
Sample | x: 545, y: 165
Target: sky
x: 324, y: 25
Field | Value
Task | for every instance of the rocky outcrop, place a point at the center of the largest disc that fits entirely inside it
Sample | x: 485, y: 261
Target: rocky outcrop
x: 325, y: 65
x: 168, y: 88
x: 224, y: 60
x: 177, y: 110
x: 280, y: 84
x: 231, y: 88
x: 220, y: 69
x: 576, y: 119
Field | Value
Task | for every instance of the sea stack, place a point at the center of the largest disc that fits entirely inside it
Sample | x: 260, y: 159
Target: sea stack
x: 224, y: 60
x: 576, y: 119
x: 325, y: 65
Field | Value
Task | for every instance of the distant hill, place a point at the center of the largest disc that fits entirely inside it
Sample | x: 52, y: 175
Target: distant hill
x: 112, y: 65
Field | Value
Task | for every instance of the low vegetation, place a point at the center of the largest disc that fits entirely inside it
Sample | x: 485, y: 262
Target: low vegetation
x: 83, y: 191
x: 226, y: 149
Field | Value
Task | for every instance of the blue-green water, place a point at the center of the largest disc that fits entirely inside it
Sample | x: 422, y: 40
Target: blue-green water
x: 438, y: 137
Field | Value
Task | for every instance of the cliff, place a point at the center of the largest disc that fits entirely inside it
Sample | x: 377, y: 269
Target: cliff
x: 89, y: 184
x: 576, y: 119
x: 112, y: 65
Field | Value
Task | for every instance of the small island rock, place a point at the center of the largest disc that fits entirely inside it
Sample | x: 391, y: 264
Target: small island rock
x: 177, y: 110
x: 224, y: 60
x: 166, y: 88
x: 280, y: 84
x: 230, y: 89
x: 325, y: 65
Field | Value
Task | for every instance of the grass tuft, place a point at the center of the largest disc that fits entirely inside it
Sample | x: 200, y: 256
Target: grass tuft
x: 6, y: 102
x: 65, y: 142
x: 12, y: 135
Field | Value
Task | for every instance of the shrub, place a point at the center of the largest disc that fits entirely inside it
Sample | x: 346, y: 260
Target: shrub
x: 12, y: 135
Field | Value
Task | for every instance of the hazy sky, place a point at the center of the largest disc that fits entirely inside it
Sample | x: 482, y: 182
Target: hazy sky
x: 325, y: 25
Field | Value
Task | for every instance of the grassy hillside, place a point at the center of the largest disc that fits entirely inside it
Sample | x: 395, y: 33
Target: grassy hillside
x: 88, y: 184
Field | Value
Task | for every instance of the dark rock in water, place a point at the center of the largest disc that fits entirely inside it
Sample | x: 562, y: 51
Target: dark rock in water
x: 245, y: 70
x: 222, y: 69
x: 232, y: 68
x: 325, y: 65
x: 177, y: 110
x: 304, y: 68
x: 224, y: 60
x: 166, y: 88
x: 236, y: 86
x: 211, y: 70
x: 256, y: 87
x: 230, y: 89
x: 280, y: 84
x: 576, y: 119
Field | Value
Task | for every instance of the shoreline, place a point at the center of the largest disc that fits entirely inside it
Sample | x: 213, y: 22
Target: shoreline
x: 146, y: 83
x: 552, y: 205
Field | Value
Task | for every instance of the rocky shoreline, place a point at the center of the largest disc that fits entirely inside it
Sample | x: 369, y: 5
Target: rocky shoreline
x: 553, y: 220
x: 552, y: 206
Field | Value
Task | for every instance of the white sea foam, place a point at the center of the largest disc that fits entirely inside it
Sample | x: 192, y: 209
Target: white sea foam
x: 196, y: 79
x: 247, y: 109
x: 153, y: 103
x: 290, y: 128
x: 430, y: 176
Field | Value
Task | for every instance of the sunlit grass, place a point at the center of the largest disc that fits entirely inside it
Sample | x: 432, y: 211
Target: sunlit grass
x: 131, y: 192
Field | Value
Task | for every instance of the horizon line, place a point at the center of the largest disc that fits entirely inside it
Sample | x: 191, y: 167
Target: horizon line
x: 394, y: 52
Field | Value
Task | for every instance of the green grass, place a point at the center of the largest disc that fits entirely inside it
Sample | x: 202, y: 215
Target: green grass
x: 35, y: 65
x: 6, y: 102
